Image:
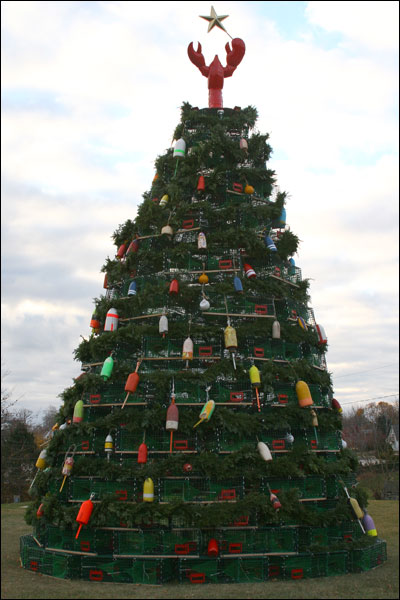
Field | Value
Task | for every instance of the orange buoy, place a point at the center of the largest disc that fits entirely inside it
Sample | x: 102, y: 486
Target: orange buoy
x: 132, y: 382
x: 84, y: 514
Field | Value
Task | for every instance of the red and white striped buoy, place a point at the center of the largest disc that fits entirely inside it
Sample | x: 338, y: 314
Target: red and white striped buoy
x: 111, y: 323
x: 249, y: 271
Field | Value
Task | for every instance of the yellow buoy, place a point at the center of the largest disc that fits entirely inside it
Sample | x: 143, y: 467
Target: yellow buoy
x: 254, y: 376
x: 303, y: 394
x: 148, y: 490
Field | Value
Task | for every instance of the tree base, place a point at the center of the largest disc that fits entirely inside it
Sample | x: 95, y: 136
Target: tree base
x: 158, y: 570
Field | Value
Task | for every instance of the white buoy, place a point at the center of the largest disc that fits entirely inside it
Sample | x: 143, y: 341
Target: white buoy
x: 264, y: 451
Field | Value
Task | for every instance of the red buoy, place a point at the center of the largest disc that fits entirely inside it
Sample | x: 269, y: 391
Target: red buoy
x: 142, y: 454
x: 212, y: 549
x: 201, y: 184
x: 174, y: 287
x: 172, y: 417
x: 84, y: 514
x: 275, y: 501
x: 121, y: 251
x: 133, y: 246
x: 336, y: 405
x: 249, y: 271
x: 132, y: 382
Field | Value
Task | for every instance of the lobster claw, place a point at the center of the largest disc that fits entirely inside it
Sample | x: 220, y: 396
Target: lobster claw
x: 196, y: 58
x: 234, y: 56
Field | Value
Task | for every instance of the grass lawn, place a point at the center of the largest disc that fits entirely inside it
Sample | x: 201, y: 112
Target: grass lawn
x: 382, y: 582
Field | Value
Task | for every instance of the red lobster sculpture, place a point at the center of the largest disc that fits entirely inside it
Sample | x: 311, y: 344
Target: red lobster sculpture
x: 215, y: 72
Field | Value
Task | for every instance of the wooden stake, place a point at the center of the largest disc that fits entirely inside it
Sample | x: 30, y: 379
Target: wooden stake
x: 62, y: 485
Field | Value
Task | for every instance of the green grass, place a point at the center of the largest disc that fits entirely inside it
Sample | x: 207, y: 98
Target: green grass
x: 381, y: 582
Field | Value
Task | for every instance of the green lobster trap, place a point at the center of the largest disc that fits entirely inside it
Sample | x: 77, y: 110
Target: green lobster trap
x: 290, y: 309
x: 310, y: 487
x: 297, y: 567
x: 156, y: 347
x: 159, y: 541
x: 113, y: 394
x: 127, y: 570
x: 85, y: 443
x: 90, y: 540
x: 273, y: 349
x: 243, y: 569
x: 364, y: 559
x: 323, y: 440
x: 222, y: 392
x: 200, y: 489
x: 80, y: 489
x: 220, y: 260
x: 276, y: 440
x: 347, y: 531
x: 327, y: 564
x: 285, y: 394
x: 199, y: 571
x: 259, y: 306
x: 127, y: 441
x: 264, y: 540
x: 40, y: 560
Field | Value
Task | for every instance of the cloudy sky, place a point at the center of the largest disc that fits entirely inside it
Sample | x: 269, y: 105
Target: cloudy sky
x: 91, y: 94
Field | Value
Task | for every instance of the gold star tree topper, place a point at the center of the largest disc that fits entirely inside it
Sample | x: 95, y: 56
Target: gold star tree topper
x: 215, y: 20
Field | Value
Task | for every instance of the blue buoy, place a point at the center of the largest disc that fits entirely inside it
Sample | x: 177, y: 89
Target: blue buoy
x: 132, y: 289
x: 270, y: 244
x: 237, y: 284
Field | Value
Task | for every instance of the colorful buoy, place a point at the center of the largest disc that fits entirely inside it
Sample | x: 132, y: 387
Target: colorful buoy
x: 206, y: 412
x: 84, y: 514
x: 302, y: 323
x: 163, y: 325
x: 249, y: 271
x: 111, y: 323
x: 132, y: 291
x: 173, y: 287
x: 270, y: 244
x: 237, y: 284
x: 108, y: 446
x: 180, y: 148
x: 201, y: 184
x: 303, y: 394
x: 78, y: 412
x: 107, y: 368
x: 132, y: 382
x: 164, y: 200
x: 255, y: 380
x: 142, y: 454
x: 148, y: 490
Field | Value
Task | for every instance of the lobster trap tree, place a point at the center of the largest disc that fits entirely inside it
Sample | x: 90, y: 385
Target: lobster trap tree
x: 201, y: 441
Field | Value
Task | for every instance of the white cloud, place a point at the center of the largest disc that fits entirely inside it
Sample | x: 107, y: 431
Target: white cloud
x: 372, y: 24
